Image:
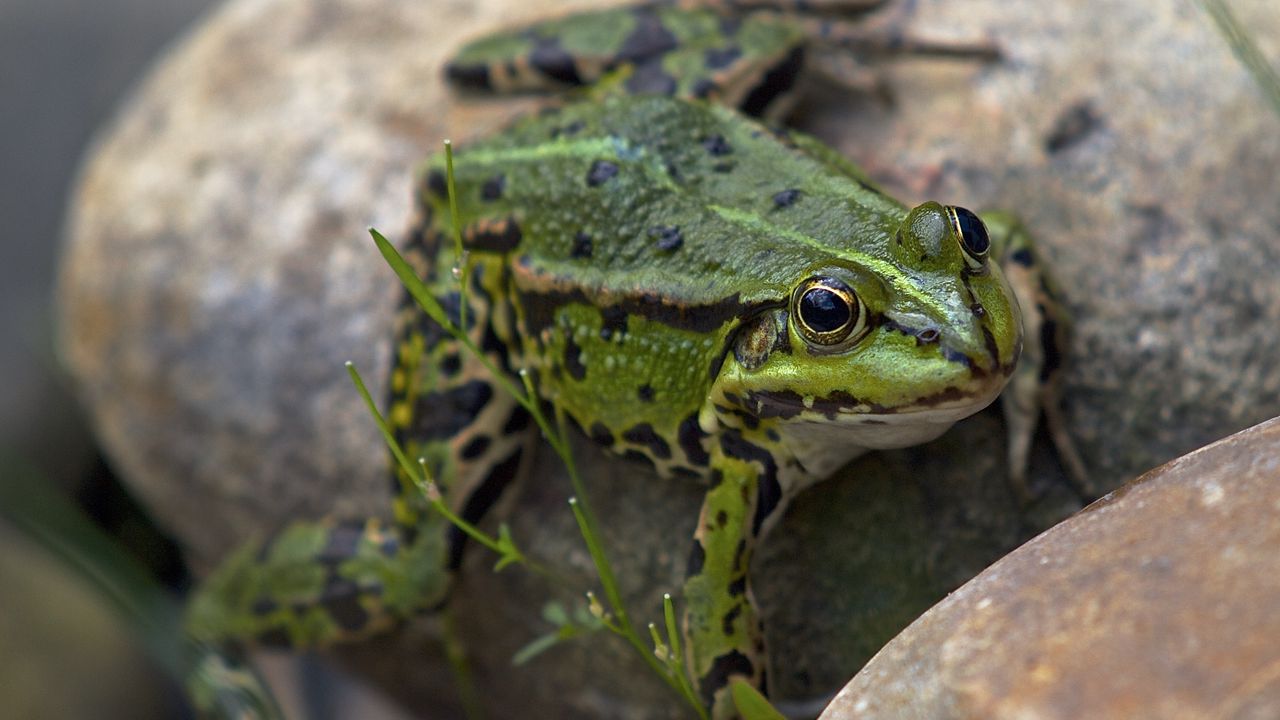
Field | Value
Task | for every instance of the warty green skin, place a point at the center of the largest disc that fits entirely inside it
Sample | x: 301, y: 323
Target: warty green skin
x: 642, y: 257
x: 642, y: 333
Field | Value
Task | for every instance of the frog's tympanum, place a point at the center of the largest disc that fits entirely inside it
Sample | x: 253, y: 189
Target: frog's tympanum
x: 734, y: 303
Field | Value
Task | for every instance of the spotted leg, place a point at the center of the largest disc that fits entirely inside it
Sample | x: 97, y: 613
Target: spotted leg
x: 324, y: 582
x: 725, y: 641
x: 1036, y: 385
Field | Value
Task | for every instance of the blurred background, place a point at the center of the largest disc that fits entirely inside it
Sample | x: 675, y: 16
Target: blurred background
x: 65, y: 66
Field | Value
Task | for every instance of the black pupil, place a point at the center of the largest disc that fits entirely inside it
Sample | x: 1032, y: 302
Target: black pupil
x: 972, y: 232
x: 824, y: 311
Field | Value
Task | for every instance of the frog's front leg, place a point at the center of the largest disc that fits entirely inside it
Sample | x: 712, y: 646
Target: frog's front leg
x: 724, y: 639
x: 1036, y: 385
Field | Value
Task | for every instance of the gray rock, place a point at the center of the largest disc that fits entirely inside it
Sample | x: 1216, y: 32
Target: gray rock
x: 1163, y: 596
x: 217, y: 274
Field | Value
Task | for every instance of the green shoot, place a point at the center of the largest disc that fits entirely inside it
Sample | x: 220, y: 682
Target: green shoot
x: 582, y: 622
x: 751, y: 703
x: 507, y: 552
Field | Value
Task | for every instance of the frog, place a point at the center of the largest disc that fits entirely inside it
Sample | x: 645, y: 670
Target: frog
x: 692, y: 286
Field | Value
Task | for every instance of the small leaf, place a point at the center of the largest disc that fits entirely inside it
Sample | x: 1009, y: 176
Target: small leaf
x: 554, y: 613
x: 535, y: 648
x: 509, y: 553
x: 751, y: 703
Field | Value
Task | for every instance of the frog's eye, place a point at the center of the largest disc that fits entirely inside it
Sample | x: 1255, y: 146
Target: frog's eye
x: 974, y: 239
x: 828, y: 313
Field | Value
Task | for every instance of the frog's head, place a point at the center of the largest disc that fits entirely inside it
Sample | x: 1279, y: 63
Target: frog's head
x: 882, y: 347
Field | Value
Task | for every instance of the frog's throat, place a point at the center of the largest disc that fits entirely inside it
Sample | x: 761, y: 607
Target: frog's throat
x: 826, y: 440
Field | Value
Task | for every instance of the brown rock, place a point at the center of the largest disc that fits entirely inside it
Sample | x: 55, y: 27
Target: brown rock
x: 1160, y: 601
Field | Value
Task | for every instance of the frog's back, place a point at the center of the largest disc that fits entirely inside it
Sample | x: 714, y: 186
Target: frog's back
x: 613, y: 200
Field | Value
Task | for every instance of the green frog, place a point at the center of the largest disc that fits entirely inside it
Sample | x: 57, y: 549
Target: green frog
x: 729, y: 301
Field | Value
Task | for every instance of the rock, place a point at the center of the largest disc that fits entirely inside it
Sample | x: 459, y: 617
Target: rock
x: 217, y: 275
x: 1162, y: 596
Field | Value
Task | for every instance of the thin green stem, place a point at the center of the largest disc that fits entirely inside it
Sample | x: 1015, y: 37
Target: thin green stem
x: 427, y: 488
x: 460, y: 257
x: 1245, y: 50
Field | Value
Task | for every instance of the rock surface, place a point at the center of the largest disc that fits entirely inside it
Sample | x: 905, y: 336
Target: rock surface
x: 217, y: 275
x: 1161, y: 601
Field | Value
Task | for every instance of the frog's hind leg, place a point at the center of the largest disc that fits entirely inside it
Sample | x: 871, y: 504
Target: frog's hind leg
x: 1036, y: 385
x: 847, y: 52
x: 312, y: 585
x: 446, y: 407
x: 326, y: 582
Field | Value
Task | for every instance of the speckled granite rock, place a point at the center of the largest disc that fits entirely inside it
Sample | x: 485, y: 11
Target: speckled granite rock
x: 217, y: 274
x: 1160, y: 601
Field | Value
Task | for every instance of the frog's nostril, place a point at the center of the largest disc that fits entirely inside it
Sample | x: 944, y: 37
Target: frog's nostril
x: 928, y: 335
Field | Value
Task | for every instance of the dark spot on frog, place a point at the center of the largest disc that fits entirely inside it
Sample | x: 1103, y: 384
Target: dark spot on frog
x: 582, y: 246
x: 474, y: 76
x: 738, y: 586
x: 703, y: 87
x: 977, y: 310
x: 668, y: 237
x: 729, y: 619
x: 649, y: 37
x: 769, y: 492
x: 600, y: 433
x: 728, y: 665
x: 716, y: 145
x: 645, y: 393
x: 480, y: 500
x: 650, y: 78
x: 722, y: 519
x: 573, y: 359
x: 437, y: 185
x: 779, y: 80
x: 275, y: 637
x: 638, y: 457
x: 601, y: 171
x: 643, y: 434
x: 264, y: 605
x: 571, y: 129
x: 721, y: 57
x: 450, y: 365
x: 493, y: 187
x: 786, y: 198
x: 773, y: 435
x: 690, y: 436
x: 723, y: 167
x: 613, y: 323
x: 497, y: 236
x: 343, y: 542
x: 729, y: 24
x: 697, y: 558
x: 518, y: 421
x: 474, y: 449
x: 1072, y: 126
x: 553, y: 61
x: 441, y: 414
